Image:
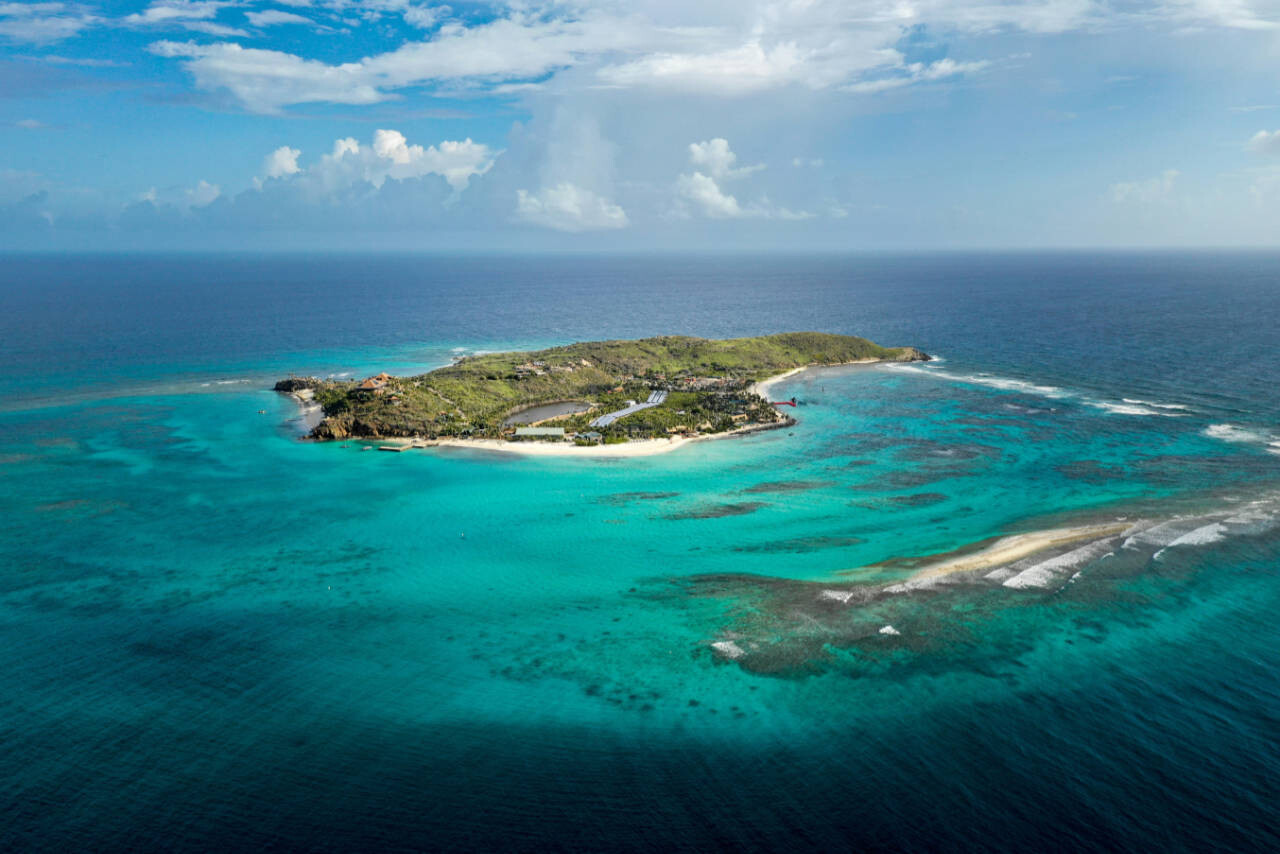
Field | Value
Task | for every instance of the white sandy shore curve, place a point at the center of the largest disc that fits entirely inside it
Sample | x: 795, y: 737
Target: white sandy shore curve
x: 763, y: 387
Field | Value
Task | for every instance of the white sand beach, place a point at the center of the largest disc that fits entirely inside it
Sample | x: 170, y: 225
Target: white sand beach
x: 765, y: 387
x: 639, y: 448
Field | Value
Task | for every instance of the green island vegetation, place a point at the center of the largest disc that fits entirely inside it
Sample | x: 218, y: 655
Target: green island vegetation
x: 705, y: 383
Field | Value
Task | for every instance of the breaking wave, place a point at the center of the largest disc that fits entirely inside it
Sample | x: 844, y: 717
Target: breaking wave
x: 1125, y: 406
x: 1244, y: 435
x: 1137, y: 402
x: 1048, y: 572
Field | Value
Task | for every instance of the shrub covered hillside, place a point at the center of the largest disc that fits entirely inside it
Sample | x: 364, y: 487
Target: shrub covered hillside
x: 474, y: 395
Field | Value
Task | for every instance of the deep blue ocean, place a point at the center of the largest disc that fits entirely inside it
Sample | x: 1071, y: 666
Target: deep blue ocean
x: 215, y: 636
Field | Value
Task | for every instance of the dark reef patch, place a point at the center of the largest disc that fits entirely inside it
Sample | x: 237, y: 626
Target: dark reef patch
x: 787, y: 486
x: 619, y: 498
x: 920, y: 499
x: 941, y: 452
x: 799, y: 545
x: 717, y: 511
x: 909, y: 479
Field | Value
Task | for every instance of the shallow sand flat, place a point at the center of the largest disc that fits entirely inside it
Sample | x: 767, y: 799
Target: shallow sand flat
x: 1006, y: 550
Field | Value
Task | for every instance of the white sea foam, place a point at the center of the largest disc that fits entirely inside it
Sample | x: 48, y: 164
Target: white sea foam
x: 1124, y: 408
x: 1253, y: 522
x: 728, y: 649
x: 1154, y: 405
x: 889, y: 630
x: 1236, y: 433
x: 1047, y: 572
x: 989, y: 380
x: 1127, y: 406
x: 231, y: 382
x: 1214, y: 532
x: 1131, y: 407
x: 1259, y: 518
x: 1162, y: 534
x: 838, y: 595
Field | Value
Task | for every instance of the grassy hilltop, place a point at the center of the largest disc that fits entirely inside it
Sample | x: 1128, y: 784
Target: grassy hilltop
x: 706, y: 381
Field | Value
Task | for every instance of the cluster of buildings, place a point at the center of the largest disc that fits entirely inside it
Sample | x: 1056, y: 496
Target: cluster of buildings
x: 377, y: 385
x: 538, y: 368
x: 706, y: 384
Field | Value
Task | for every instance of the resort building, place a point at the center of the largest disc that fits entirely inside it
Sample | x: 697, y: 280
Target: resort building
x: 539, y: 432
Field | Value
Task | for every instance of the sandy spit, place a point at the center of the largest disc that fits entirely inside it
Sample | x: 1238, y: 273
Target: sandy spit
x: 1006, y: 550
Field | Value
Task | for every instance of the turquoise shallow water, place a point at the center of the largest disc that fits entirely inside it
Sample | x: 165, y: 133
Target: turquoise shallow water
x: 217, y: 635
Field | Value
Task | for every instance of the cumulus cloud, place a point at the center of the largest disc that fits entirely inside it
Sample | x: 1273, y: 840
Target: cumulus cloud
x: 281, y: 162
x: 710, y: 49
x: 502, y: 50
x: 266, y: 80
x: 703, y: 190
x: 568, y: 207
x: 574, y: 164
x: 739, y: 70
x: 42, y: 23
x: 719, y: 159
x: 389, y: 157
x: 1265, y: 142
x: 1232, y: 14
x: 194, y: 15
x: 455, y: 161
x: 273, y: 17
x: 175, y: 10
x: 202, y: 194
x: 182, y: 199
x: 706, y: 194
x: 1150, y: 191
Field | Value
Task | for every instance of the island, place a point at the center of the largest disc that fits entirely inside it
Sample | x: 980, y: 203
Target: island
x: 589, y: 394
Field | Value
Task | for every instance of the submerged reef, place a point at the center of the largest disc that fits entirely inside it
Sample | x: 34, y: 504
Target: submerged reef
x: 905, y: 609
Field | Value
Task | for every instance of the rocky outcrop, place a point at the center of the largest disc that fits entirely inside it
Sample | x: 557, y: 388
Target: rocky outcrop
x: 296, y: 384
x: 912, y: 354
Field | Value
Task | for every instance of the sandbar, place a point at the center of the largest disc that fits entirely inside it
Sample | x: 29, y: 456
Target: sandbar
x: 1012, y: 548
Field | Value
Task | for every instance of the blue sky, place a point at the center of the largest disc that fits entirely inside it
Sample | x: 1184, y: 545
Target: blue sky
x: 791, y: 124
